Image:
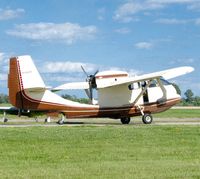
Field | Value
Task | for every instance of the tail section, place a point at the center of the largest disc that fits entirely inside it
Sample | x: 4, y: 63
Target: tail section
x: 23, y: 75
x: 28, y: 73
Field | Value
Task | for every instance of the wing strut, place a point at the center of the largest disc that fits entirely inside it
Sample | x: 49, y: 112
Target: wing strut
x: 162, y: 99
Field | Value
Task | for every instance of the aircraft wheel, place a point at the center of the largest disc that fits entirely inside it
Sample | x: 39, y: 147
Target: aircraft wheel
x: 5, y: 120
x: 36, y: 119
x: 60, y: 121
x: 125, y: 120
x: 147, y: 119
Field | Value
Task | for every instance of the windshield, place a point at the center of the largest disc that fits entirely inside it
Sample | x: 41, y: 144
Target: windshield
x: 165, y: 82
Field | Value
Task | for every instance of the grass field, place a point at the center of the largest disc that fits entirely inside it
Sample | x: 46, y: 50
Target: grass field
x: 100, y: 152
x: 179, y: 113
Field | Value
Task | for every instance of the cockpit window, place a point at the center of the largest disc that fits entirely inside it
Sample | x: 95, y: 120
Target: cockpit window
x: 165, y: 82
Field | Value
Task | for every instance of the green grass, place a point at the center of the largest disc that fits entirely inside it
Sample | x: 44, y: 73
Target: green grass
x: 5, y: 104
x: 100, y: 152
x: 179, y: 113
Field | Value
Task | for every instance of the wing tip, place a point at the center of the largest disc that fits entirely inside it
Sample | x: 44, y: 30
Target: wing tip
x: 188, y: 69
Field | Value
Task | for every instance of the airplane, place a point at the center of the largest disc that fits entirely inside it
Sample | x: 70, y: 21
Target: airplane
x: 120, y: 96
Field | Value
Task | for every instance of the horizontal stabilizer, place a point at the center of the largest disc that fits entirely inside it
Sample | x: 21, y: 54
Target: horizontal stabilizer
x: 8, y: 108
x: 38, y: 89
x: 72, y: 86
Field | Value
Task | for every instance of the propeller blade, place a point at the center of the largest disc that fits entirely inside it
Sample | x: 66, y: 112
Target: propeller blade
x: 84, y: 71
x: 72, y: 86
x: 87, y: 93
x: 91, y: 93
x: 91, y: 80
x: 96, y: 72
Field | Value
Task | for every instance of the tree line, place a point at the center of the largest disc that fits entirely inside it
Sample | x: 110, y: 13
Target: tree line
x: 4, y: 98
x: 189, y: 98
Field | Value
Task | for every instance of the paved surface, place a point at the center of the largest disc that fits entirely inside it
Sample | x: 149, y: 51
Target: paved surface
x: 96, y: 122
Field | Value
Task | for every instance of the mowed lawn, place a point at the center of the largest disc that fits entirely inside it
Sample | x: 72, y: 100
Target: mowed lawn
x: 179, y: 113
x: 100, y: 152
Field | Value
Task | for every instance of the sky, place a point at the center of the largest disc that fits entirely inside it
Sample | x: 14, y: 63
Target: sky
x: 135, y: 36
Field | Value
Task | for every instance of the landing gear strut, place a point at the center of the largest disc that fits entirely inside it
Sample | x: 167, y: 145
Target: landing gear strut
x: 48, y: 119
x: 125, y: 120
x: 146, y: 118
x: 4, y: 117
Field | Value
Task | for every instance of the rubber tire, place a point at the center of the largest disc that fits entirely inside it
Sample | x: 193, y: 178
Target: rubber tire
x: 147, y: 119
x: 125, y: 120
x: 5, y: 120
x: 60, y: 122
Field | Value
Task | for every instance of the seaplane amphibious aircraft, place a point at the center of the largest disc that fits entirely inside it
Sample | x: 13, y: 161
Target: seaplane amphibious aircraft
x: 119, y: 96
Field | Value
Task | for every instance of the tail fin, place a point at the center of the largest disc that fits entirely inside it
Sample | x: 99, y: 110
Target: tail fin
x: 22, y: 75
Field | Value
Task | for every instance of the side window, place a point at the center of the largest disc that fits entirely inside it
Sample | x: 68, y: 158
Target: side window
x: 131, y: 87
x: 153, y: 84
x: 143, y: 84
x: 134, y: 86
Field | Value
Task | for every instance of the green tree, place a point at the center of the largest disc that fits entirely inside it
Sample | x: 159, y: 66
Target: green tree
x: 67, y: 96
x: 3, y: 98
x: 74, y: 98
x: 189, y: 96
x: 196, y: 101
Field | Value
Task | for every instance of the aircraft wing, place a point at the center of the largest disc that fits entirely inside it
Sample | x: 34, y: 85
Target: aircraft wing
x: 104, y: 83
x: 174, y: 72
x: 166, y: 74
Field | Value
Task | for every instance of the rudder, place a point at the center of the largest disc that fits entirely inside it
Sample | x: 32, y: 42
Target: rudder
x: 14, y: 90
x: 23, y: 75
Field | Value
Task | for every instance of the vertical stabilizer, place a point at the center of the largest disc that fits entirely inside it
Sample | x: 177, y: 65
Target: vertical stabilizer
x: 30, y: 77
x: 22, y: 75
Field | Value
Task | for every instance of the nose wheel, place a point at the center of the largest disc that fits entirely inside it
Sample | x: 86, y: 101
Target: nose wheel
x: 147, y: 118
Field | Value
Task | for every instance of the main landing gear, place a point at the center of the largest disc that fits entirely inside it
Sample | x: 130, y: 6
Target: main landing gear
x: 147, y: 118
x: 62, y: 119
x: 125, y: 120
